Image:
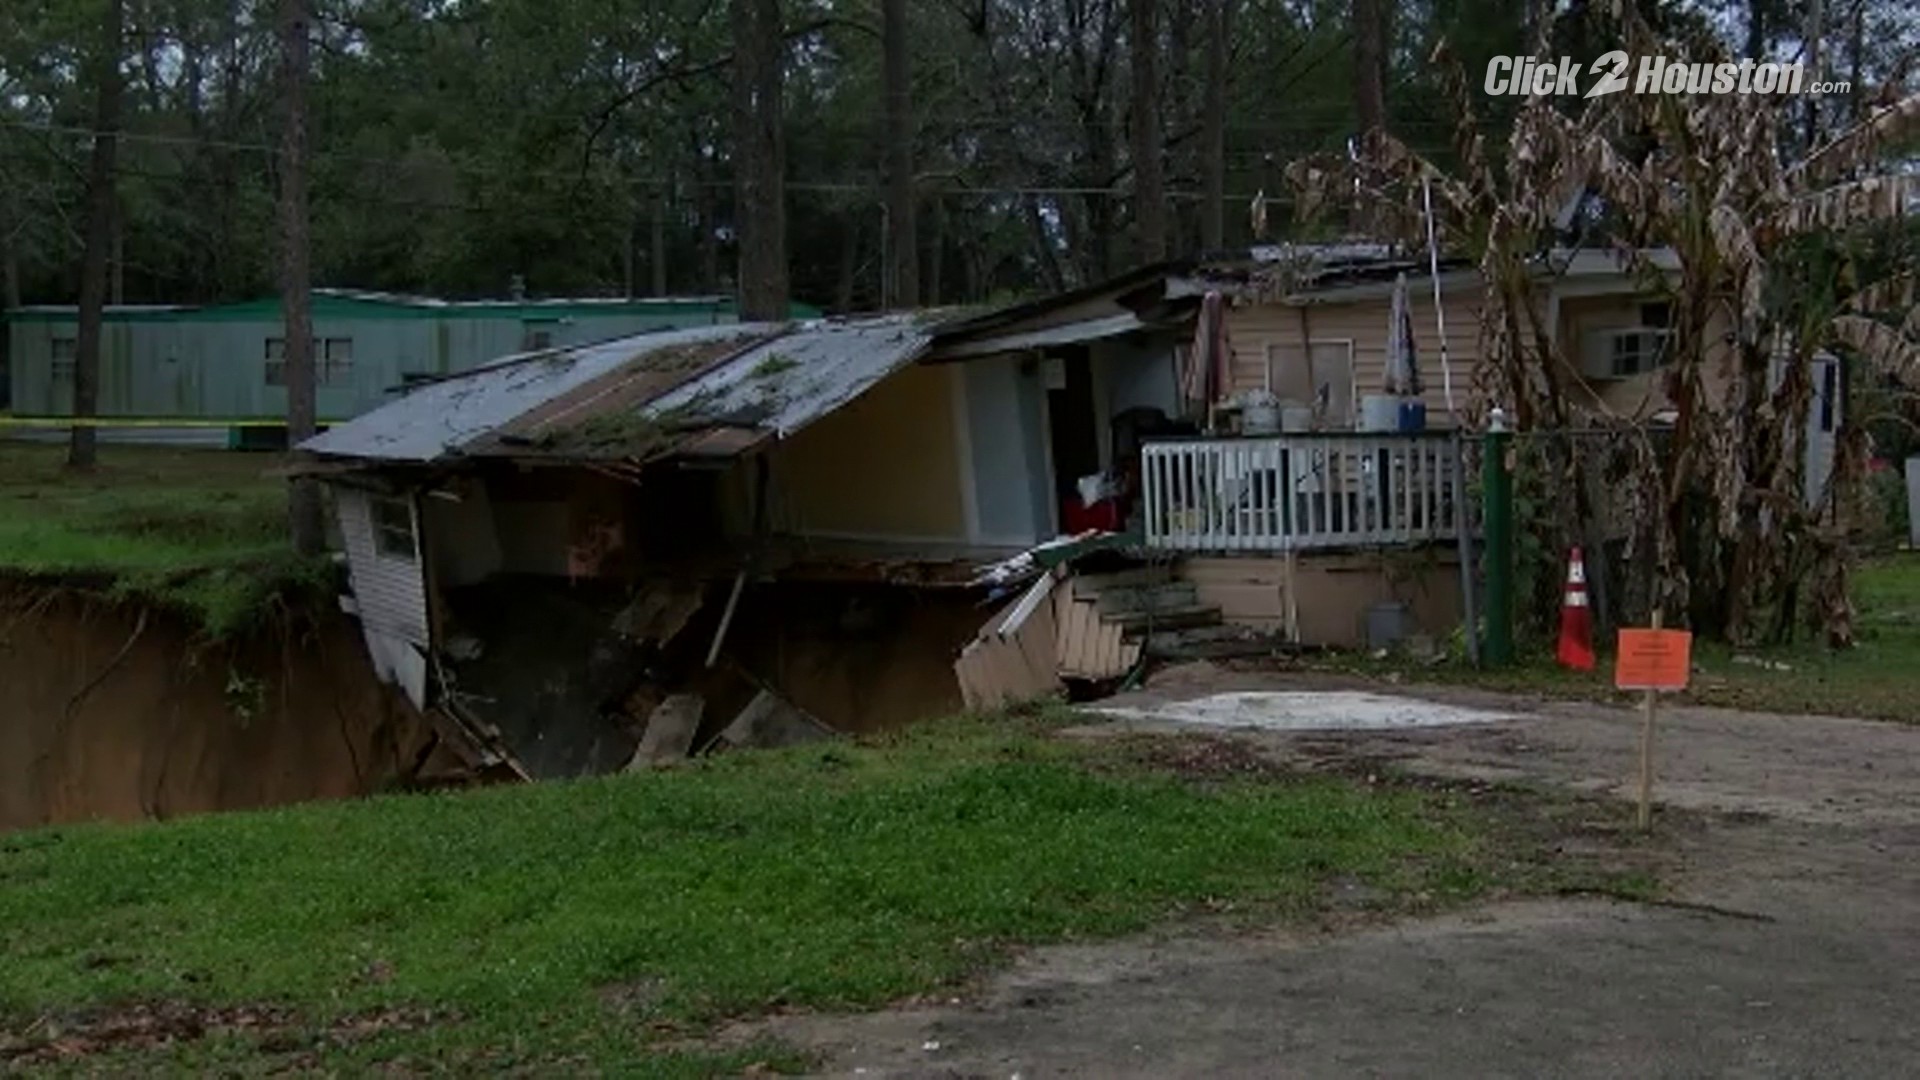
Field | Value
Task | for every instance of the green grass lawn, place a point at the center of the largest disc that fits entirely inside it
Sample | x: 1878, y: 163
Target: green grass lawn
x: 1879, y: 677
x: 201, y: 530
x: 598, y: 924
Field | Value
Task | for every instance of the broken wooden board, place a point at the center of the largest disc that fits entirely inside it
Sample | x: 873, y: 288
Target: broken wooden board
x: 659, y: 610
x: 670, y: 732
x: 770, y: 721
x: 1014, y: 657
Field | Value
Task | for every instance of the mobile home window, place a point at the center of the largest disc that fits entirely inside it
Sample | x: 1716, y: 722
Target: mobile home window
x: 537, y: 334
x: 393, y: 528
x: 62, y: 354
x: 1320, y: 374
x: 332, y: 361
x: 335, y: 355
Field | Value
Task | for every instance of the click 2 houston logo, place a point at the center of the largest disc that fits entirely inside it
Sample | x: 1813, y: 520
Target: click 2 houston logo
x: 1613, y: 72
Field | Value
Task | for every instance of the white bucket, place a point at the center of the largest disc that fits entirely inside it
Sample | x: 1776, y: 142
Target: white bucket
x: 1379, y: 412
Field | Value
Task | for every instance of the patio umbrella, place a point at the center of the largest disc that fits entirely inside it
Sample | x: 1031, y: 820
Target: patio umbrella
x: 1205, y: 377
x: 1403, y: 366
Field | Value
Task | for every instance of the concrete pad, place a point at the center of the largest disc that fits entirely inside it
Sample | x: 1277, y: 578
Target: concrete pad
x: 1305, y: 710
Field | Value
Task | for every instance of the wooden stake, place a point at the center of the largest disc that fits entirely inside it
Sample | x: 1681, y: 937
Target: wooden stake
x: 726, y: 617
x: 1644, y: 816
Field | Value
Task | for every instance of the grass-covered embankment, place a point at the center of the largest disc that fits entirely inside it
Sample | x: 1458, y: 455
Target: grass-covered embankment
x: 597, y: 924
x: 200, y: 531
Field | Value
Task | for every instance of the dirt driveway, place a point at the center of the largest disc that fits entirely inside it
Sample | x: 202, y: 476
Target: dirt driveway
x: 1793, y: 949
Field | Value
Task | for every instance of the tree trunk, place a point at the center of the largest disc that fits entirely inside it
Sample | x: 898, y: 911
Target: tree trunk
x: 303, y: 507
x: 657, y: 250
x: 9, y: 265
x: 849, y: 267
x: 1369, y: 82
x: 936, y: 252
x: 759, y: 148
x: 1177, y: 102
x: 903, y: 250
x: 108, y: 92
x: 1857, y: 101
x: 629, y: 243
x: 1045, y: 253
x: 117, y: 275
x: 1213, y: 129
x: 707, y: 209
x: 1816, y: 33
x: 1369, y: 65
x: 1539, y: 23
x: 1149, y: 180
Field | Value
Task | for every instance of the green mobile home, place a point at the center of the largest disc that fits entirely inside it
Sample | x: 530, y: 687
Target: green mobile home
x: 227, y: 362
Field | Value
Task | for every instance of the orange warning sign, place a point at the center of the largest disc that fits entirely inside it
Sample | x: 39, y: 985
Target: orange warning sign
x: 1653, y: 660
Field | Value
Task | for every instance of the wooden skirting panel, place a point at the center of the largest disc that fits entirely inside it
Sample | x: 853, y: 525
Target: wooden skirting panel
x: 1322, y: 599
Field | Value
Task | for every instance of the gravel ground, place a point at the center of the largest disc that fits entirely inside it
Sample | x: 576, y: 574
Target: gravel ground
x: 1789, y: 945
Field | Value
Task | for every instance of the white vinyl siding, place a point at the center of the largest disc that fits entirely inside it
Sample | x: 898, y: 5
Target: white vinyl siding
x: 387, y: 587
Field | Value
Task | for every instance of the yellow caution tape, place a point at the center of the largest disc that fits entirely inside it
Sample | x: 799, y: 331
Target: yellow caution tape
x: 139, y: 422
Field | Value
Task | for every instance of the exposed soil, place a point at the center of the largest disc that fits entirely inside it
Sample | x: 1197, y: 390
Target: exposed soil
x: 115, y: 711
x: 1785, y: 939
x: 861, y: 658
x: 54, y: 1040
x: 1202, y: 757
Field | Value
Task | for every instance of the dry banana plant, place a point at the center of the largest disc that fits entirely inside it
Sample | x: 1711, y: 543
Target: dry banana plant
x: 1765, y: 261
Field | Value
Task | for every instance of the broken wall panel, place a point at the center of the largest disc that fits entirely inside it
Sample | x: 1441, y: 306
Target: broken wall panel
x: 381, y: 535
x: 769, y: 722
x: 671, y: 728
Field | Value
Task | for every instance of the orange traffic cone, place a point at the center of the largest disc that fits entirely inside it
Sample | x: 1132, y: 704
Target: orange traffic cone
x: 1576, y: 618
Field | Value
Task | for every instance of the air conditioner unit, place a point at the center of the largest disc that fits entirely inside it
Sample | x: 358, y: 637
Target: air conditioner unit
x: 1621, y: 354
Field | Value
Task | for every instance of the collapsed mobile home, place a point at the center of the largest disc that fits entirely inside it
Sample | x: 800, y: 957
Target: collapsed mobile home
x: 855, y: 523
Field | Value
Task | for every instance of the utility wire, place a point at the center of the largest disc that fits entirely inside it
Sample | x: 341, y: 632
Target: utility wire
x: 875, y: 186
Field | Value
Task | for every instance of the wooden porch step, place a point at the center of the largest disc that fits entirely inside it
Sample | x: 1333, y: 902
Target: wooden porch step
x: 1169, y: 619
x: 1162, y: 597
x: 1217, y: 642
x: 1089, y: 586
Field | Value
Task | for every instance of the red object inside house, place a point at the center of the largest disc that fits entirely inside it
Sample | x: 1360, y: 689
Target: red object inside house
x: 1077, y: 517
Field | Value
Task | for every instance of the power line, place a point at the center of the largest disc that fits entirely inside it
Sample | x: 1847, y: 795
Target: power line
x: 636, y: 182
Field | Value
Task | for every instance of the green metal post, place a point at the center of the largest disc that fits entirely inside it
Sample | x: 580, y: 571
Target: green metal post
x: 1497, y: 515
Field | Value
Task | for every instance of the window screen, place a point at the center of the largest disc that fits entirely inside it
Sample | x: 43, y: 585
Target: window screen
x: 63, y: 351
x: 393, y: 528
x: 332, y: 361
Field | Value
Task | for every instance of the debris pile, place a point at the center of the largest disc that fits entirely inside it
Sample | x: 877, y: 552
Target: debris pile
x: 548, y: 679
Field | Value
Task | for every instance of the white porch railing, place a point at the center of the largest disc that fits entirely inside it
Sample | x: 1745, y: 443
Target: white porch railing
x: 1299, y: 492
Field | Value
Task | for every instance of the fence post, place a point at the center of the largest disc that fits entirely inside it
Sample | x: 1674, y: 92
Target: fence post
x: 1497, y: 492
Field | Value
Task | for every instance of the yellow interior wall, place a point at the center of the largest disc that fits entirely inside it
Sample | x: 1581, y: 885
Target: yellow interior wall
x: 885, y: 466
